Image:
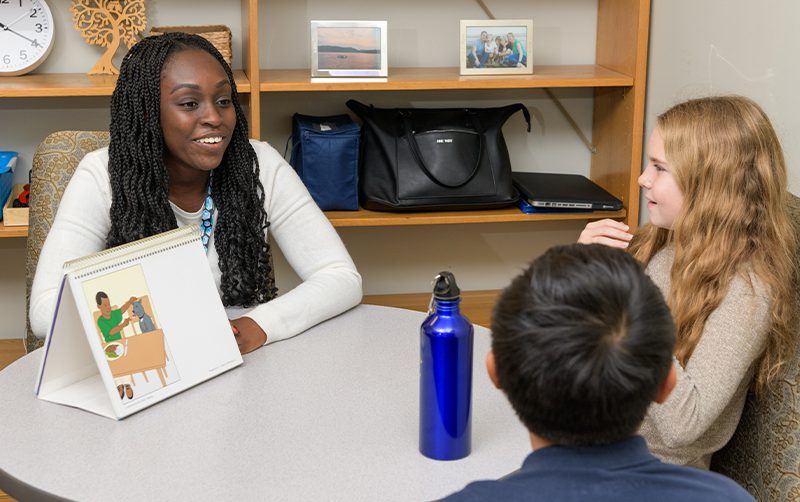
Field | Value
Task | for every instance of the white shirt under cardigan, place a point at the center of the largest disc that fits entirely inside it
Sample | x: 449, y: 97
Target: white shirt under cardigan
x: 330, y: 282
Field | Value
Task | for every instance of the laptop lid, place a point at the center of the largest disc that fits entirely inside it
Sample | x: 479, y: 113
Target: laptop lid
x: 564, y: 191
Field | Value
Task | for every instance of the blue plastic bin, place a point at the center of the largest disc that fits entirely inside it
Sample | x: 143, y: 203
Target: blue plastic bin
x: 7, y: 162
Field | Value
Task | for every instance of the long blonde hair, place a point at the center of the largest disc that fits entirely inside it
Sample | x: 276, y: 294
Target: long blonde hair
x: 729, y: 165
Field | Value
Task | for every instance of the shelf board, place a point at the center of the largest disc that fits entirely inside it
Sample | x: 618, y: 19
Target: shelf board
x: 476, y: 305
x: 75, y: 84
x: 414, y: 79
x: 365, y: 218
x: 15, y: 231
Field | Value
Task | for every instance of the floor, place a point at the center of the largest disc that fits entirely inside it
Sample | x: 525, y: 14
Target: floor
x: 10, y: 351
x: 477, y: 307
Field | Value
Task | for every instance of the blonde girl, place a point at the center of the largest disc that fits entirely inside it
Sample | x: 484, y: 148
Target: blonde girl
x: 721, y: 246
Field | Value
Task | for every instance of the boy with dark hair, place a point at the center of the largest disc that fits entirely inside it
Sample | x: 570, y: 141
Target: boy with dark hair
x: 582, y: 344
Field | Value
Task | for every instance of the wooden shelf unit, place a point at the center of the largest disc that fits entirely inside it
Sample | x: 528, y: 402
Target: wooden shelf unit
x: 617, y: 77
x: 476, y: 305
x: 75, y: 84
x: 15, y: 231
x: 365, y: 218
x: 424, y: 79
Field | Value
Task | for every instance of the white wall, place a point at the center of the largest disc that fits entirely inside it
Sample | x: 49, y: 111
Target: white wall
x: 421, y: 33
x: 728, y: 46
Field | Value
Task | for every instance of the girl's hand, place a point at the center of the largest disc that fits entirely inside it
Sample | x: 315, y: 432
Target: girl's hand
x: 607, y: 232
x: 249, y: 335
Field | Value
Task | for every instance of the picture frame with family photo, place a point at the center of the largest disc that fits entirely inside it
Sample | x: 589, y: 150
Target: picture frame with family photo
x: 496, y: 47
x: 349, y: 49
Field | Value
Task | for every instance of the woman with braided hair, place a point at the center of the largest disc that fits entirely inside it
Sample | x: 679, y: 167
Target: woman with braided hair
x: 180, y: 155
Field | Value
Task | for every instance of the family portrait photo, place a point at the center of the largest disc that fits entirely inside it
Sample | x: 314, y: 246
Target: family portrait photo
x: 496, y: 47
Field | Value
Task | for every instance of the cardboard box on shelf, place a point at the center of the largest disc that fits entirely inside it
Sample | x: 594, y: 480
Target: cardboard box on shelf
x: 15, y: 216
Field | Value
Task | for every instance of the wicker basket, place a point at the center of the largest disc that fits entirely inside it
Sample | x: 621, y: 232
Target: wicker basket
x: 218, y: 35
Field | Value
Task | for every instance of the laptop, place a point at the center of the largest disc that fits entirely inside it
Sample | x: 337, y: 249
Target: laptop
x: 564, y: 191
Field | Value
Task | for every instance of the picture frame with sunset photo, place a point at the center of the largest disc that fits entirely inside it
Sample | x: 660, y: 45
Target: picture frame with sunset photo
x: 349, y: 49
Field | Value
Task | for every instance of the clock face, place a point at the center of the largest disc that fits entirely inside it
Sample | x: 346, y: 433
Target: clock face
x: 26, y: 35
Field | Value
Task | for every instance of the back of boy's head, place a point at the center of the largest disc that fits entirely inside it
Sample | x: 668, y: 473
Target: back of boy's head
x: 582, y: 342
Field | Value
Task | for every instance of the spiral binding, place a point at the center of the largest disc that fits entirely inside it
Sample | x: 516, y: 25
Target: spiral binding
x: 132, y: 251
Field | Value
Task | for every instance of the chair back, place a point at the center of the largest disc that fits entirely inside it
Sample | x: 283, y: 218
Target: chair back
x: 764, y: 453
x: 54, y: 162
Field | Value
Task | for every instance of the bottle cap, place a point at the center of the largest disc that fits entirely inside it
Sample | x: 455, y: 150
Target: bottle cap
x: 445, y: 287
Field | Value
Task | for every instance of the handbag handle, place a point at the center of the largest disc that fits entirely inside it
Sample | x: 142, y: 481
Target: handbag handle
x: 412, y: 142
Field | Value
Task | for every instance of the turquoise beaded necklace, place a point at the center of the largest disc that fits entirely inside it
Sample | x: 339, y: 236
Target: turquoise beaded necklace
x: 207, y: 223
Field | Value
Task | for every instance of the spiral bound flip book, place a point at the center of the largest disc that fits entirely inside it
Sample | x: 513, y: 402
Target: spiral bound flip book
x: 134, y: 325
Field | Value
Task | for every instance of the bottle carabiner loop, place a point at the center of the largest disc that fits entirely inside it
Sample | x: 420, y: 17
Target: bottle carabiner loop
x: 433, y: 290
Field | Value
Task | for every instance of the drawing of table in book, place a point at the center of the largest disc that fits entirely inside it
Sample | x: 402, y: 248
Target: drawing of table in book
x: 143, y: 353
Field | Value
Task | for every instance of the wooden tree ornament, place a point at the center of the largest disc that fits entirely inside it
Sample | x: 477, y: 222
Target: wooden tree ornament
x: 108, y: 23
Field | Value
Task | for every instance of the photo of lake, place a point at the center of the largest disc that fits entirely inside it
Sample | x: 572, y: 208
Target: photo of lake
x: 349, y: 48
x: 349, y: 61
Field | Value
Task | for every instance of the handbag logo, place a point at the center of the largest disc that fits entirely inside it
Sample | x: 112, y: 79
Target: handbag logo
x: 445, y: 140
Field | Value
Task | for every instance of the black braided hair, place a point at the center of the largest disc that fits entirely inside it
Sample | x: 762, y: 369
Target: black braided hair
x: 140, y: 181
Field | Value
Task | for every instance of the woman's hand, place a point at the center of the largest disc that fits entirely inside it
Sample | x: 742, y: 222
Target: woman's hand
x: 608, y: 232
x: 249, y: 335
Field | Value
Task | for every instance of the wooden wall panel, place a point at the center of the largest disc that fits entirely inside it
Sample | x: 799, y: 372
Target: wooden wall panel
x: 618, y: 124
x: 250, y: 63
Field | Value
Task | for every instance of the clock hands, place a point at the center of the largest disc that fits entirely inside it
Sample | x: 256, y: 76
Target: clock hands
x: 6, y: 27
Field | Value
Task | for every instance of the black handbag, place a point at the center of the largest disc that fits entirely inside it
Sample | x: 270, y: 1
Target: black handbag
x: 423, y: 159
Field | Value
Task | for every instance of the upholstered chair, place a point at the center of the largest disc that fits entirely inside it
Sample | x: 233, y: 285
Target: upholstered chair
x: 764, y: 453
x: 54, y: 162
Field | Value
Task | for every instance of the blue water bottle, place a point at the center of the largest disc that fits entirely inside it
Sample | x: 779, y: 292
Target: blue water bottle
x: 445, y: 383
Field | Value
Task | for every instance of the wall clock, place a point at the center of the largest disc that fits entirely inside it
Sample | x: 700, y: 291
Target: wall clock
x: 26, y: 35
